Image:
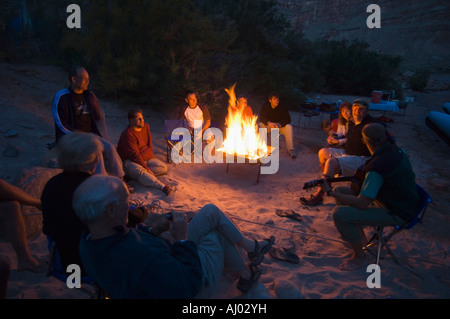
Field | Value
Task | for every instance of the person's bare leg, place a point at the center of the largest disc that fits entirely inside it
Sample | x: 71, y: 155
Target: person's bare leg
x: 13, y: 228
x: 357, y: 261
x: 9, y: 192
x: 331, y: 168
x: 324, y: 155
x: 249, y: 245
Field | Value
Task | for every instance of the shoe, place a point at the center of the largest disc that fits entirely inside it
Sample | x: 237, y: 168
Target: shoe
x: 312, y: 200
x: 168, y: 190
x: 257, y: 256
x: 244, y: 285
x: 292, y: 154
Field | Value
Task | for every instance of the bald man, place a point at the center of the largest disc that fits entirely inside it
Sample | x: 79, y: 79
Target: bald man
x: 388, y: 195
x: 76, y: 109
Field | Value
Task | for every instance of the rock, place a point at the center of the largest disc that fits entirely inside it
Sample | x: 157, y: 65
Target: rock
x: 33, y: 181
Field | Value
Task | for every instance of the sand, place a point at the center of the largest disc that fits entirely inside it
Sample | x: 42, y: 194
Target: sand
x: 26, y: 94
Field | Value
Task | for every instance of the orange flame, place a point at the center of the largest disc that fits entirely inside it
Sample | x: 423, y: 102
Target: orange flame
x: 242, y: 137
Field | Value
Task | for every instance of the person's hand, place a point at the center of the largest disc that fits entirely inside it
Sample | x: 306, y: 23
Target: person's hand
x: 178, y: 226
x: 273, y: 125
x: 331, y: 140
x: 159, y: 223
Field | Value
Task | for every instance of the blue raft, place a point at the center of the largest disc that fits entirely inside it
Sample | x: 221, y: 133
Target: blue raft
x: 440, y: 123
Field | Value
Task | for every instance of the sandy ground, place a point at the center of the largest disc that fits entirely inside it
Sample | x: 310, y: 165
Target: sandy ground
x: 26, y: 93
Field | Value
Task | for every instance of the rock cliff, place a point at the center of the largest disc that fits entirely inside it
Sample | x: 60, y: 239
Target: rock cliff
x: 416, y: 30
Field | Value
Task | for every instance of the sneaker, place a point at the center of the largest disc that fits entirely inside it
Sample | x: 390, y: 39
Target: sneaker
x: 312, y: 200
x: 292, y: 154
x: 168, y: 190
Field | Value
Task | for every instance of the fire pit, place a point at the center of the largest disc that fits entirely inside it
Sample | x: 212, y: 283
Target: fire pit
x: 242, y: 142
x: 245, y: 160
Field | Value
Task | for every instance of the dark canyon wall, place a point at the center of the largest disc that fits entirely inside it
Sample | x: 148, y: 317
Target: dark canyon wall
x: 416, y: 30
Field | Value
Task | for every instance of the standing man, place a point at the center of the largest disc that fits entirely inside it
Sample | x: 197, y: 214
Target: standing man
x: 135, y: 150
x: 77, y: 109
x: 388, y: 195
x: 197, y: 116
x: 274, y: 115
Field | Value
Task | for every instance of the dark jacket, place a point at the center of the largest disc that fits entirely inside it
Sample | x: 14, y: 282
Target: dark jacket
x: 354, y: 144
x: 138, y: 265
x: 64, y: 113
x: 280, y: 114
x: 398, y: 192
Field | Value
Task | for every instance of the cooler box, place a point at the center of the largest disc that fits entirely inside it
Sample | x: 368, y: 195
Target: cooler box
x: 376, y: 96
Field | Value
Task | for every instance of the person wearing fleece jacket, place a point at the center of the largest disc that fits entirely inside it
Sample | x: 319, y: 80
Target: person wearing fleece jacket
x: 135, y: 150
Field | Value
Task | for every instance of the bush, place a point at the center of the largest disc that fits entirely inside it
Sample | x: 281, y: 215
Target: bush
x: 154, y: 51
x: 419, y: 80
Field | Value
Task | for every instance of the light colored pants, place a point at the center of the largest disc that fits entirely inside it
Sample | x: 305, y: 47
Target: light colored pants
x: 348, y: 164
x: 110, y: 163
x: 348, y: 219
x: 216, y: 237
x: 139, y: 173
x: 288, y: 133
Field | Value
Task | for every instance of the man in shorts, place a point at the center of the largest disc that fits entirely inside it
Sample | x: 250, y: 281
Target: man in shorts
x: 346, y: 161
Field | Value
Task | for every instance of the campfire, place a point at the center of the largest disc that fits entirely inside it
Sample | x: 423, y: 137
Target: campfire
x: 242, y: 136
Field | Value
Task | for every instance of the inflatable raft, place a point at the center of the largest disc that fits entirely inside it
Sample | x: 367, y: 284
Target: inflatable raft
x: 440, y: 123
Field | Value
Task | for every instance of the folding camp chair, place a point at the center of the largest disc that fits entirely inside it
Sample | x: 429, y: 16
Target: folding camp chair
x: 55, y: 270
x: 380, y: 241
x: 175, y: 140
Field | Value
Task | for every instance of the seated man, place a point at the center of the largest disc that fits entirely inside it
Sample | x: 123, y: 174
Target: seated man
x: 345, y: 161
x: 197, y: 117
x: 77, y: 109
x: 244, y: 108
x: 135, y: 150
x: 12, y: 224
x: 78, y: 156
x: 389, y: 184
x: 129, y: 263
x: 274, y: 115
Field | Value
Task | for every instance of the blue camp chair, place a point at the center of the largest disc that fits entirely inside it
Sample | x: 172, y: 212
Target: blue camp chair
x: 378, y: 239
x: 55, y: 270
x: 176, y: 141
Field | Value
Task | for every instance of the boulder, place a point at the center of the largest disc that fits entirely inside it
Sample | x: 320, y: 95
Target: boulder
x: 33, y: 181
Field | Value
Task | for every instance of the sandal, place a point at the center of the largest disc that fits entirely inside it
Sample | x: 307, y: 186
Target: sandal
x: 284, y: 254
x: 257, y: 256
x: 289, y: 213
x: 244, y: 285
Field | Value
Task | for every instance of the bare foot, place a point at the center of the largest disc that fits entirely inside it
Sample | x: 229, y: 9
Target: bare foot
x: 354, y: 263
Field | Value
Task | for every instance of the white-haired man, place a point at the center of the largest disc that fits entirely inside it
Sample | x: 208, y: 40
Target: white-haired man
x: 128, y: 263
